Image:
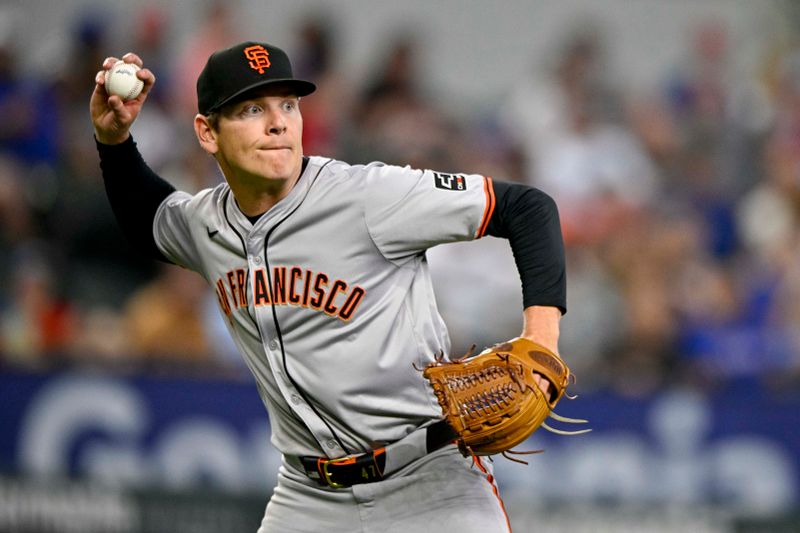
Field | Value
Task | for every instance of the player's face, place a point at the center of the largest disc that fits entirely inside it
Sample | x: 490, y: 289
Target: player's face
x: 261, y: 138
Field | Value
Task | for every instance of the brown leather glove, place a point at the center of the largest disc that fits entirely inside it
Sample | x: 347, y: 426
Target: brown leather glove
x: 492, y: 400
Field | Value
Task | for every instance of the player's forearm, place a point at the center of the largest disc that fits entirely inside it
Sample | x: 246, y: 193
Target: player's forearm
x: 541, y: 325
x: 134, y: 191
x: 528, y: 218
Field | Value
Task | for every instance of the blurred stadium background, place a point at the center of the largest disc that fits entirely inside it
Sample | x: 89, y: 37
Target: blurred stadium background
x: 667, y: 130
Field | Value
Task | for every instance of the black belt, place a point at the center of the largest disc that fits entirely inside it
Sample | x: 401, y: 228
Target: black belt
x: 377, y: 464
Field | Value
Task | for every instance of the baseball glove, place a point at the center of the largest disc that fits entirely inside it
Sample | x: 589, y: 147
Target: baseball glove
x: 492, y: 401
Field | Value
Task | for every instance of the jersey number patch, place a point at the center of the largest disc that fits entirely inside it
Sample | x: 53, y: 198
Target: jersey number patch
x: 450, y: 182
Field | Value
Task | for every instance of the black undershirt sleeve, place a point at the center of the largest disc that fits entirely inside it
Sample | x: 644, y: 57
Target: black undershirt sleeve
x: 528, y: 218
x: 135, y: 192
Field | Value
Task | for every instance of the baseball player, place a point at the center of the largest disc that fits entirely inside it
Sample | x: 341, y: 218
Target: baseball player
x: 320, y: 272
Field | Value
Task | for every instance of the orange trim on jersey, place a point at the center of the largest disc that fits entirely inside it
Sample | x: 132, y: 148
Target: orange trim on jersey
x: 260, y: 292
x: 279, y: 285
x: 329, y: 307
x: 488, y: 188
x: 351, y: 304
x: 223, y: 298
x: 232, y: 284
x: 241, y: 282
x: 490, y: 479
x: 317, y: 300
x: 294, y: 274
x: 306, y: 287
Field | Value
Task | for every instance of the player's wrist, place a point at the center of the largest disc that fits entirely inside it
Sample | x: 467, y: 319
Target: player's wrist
x: 111, y: 138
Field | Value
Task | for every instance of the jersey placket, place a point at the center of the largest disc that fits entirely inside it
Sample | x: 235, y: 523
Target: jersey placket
x: 260, y: 257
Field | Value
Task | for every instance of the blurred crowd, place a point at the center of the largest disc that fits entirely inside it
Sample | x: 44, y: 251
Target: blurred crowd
x: 679, y: 207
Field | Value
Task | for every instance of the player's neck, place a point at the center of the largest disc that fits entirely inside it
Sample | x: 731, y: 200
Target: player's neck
x: 254, y: 201
x: 255, y: 198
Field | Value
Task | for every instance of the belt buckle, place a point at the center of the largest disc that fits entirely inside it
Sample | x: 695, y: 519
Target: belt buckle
x: 327, y: 475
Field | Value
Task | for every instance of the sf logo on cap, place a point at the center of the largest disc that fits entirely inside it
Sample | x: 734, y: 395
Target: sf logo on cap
x: 258, y: 56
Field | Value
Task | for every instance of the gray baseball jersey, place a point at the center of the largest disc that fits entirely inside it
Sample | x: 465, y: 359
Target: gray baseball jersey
x: 328, y: 295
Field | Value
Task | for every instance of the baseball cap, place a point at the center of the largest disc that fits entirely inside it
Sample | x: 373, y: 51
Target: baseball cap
x: 234, y: 71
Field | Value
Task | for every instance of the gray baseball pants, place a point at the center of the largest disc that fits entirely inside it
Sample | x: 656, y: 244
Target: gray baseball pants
x: 442, y: 492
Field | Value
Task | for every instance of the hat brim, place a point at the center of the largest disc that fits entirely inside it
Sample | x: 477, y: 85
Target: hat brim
x: 296, y: 87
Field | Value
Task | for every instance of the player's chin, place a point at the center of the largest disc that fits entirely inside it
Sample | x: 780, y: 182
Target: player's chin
x: 278, y: 169
x: 282, y: 163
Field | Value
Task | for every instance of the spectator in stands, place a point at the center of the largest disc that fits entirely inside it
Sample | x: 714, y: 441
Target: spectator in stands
x: 164, y: 319
x: 567, y: 125
x: 37, y: 325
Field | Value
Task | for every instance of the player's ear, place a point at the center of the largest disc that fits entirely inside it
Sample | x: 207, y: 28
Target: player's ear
x: 206, y: 135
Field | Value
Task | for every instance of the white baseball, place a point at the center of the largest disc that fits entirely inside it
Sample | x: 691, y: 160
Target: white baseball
x: 121, y: 80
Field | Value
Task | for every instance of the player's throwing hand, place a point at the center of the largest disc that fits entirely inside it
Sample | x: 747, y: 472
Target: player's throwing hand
x: 111, y: 116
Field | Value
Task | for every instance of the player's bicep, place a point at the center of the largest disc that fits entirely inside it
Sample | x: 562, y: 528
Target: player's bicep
x: 409, y: 211
x: 172, y: 232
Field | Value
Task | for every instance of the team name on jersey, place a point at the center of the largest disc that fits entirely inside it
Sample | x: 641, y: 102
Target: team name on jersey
x: 290, y: 286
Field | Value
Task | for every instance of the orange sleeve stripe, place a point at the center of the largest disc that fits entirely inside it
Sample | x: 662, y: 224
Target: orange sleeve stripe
x: 488, y: 189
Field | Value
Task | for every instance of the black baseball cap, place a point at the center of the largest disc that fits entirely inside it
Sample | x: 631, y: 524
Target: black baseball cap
x: 234, y: 71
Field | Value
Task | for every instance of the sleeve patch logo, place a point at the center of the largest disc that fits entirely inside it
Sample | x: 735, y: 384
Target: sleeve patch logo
x: 449, y: 182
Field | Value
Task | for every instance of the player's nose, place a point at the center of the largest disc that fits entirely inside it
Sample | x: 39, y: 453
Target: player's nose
x: 276, y: 123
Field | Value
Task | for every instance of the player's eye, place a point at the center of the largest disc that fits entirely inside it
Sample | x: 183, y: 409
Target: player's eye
x: 251, y: 109
x: 289, y: 105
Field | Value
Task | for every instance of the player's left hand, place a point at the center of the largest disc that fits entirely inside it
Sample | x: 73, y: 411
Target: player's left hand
x: 541, y: 326
x: 544, y: 385
x: 492, y: 400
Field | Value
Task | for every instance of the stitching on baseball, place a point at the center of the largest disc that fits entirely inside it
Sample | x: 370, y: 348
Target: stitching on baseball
x: 135, y: 87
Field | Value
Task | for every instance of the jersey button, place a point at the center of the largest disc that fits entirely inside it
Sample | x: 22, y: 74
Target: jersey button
x: 273, y: 344
x: 257, y: 259
x: 331, y: 443
x: 295, y: 399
